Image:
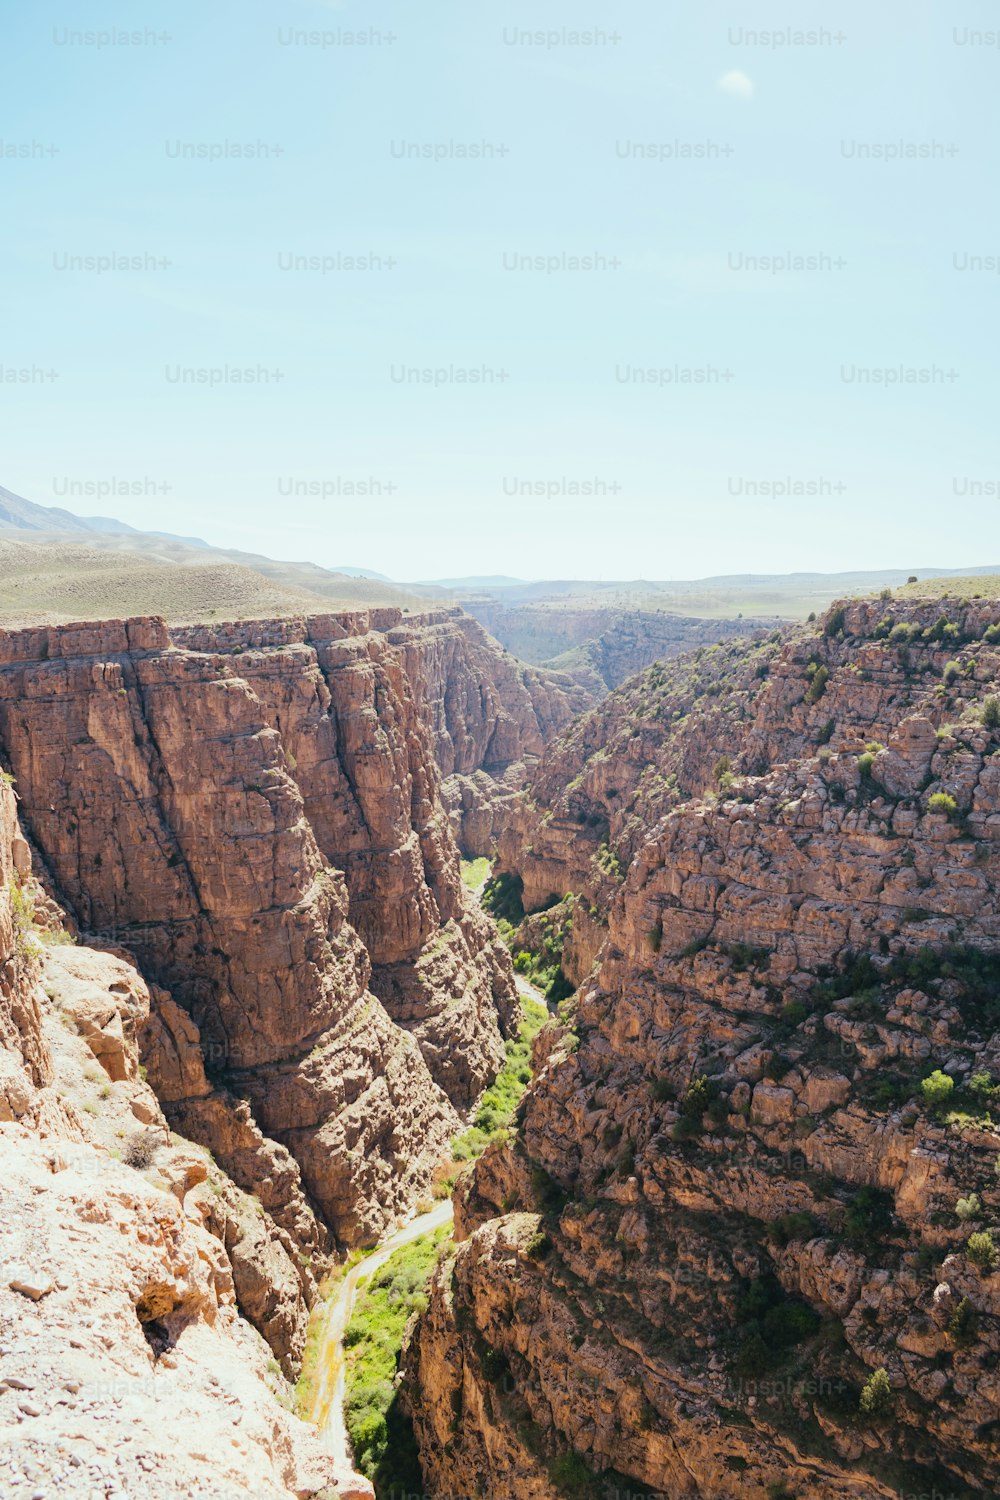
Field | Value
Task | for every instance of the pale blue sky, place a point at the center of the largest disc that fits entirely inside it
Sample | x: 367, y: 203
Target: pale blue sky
x: 783, y: 176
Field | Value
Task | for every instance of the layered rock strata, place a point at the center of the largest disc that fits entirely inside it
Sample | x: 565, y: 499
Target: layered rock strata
x: 732, y: 1200
x: 254, y: 811
x: 125, y: 1253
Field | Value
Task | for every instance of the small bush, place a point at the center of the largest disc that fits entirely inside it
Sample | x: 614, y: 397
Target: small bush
x: 937, y: 1088
x: 981, y: 1250
x: 698, y: 1097
x: 963, y: 1322
x: 969, y: 1208
x: 876, y: 1395
x: 569, y: 1473
x: 817, y: 686
x: 141, y: 1149
x: 868, y: 1217
x: 951, y: 673
x: 942, y: 802
x: 991, y: 713
x: 865, y: 764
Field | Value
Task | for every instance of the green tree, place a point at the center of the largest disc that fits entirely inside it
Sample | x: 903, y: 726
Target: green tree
x: 936, y: 1088
x: 981, y: 1250
x: 876, y: 1395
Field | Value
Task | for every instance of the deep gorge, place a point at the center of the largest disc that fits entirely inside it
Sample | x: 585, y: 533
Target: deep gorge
x: 766, y: 872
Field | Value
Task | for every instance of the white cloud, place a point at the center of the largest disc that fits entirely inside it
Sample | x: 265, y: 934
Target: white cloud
x: 737, y: 84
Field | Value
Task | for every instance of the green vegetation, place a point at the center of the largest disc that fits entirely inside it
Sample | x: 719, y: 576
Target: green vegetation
x: 475, y: 872
x: 608, y: 862
x: 771, y: 1324
x: 970, y: 1207
x: 22, y: 910
x: 963, y: 1323
x: 876, y: 1395
x: 937, y: 1088
x: 818, y: 679
x: 497, y: 1106
x: 991, y: 713
x: 868, y: 1217
x: 380, y: 1432
x: 570, y: 1474
x: 982, y: 1251
x: 977, y: 973
x: 942, y: 802
x: 502, y: 898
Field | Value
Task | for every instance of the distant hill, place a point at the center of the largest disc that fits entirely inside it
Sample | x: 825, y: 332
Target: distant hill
x: 20, y: 515
x: 57, y: 566
x: 361, y: 573
x: 492, y: 581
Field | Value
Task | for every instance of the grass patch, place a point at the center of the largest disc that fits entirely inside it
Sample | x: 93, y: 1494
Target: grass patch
x: 380, y: 1432
x: 475, y: 872
x: 496, y: 1107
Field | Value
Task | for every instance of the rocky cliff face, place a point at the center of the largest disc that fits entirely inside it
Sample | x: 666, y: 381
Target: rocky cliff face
x: 731, y: 1199
x: 125, y: 1252
x: 254, y: 811
x: 490, y: 717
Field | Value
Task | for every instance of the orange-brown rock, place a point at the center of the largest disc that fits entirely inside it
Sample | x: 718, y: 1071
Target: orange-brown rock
x: 730, y: 1200
x: 254, y: 811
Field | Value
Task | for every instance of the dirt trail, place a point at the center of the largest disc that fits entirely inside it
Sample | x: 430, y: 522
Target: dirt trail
x: 328, y: 1402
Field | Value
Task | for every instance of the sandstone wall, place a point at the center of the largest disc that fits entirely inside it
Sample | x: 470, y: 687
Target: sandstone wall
x: 254, y: 811
x: 685, y: 1288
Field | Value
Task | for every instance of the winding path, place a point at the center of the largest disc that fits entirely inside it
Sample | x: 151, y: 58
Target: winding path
x: 328, y: 1401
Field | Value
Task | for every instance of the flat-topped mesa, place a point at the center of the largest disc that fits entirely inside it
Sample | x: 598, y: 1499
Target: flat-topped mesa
x: 254, y: 809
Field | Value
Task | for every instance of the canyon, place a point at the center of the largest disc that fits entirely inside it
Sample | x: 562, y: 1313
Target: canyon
x: 731, y: 1200
x: 247, y: 1002
x: 248, y: 999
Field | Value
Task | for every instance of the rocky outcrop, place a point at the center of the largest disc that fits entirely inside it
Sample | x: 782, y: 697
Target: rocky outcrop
x: 125, y: 1253
x: 731, y: 1200
x: 254, y: 811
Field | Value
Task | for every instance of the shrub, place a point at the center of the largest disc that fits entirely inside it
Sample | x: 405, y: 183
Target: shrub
x: 963, y: 1322
x: 876, y: 1395
x: 969, y: 1208
x: 865, y: 764
x: 502, y: 897
x: 826, y: 733
x: 817, y: 686
x: 569, y: 1473
x: 951, y: 673
x: 662, y: 1090
x: 942, y: 802
x: 140, y: 1150
x: 936, y: 1088
x: 698, y: 1097
x: 981, y: 1250
x: 722, y: 768
x: 868, y: 1217
x: 991, y: 635
x: 834, y: 623
x: 991, y: 713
